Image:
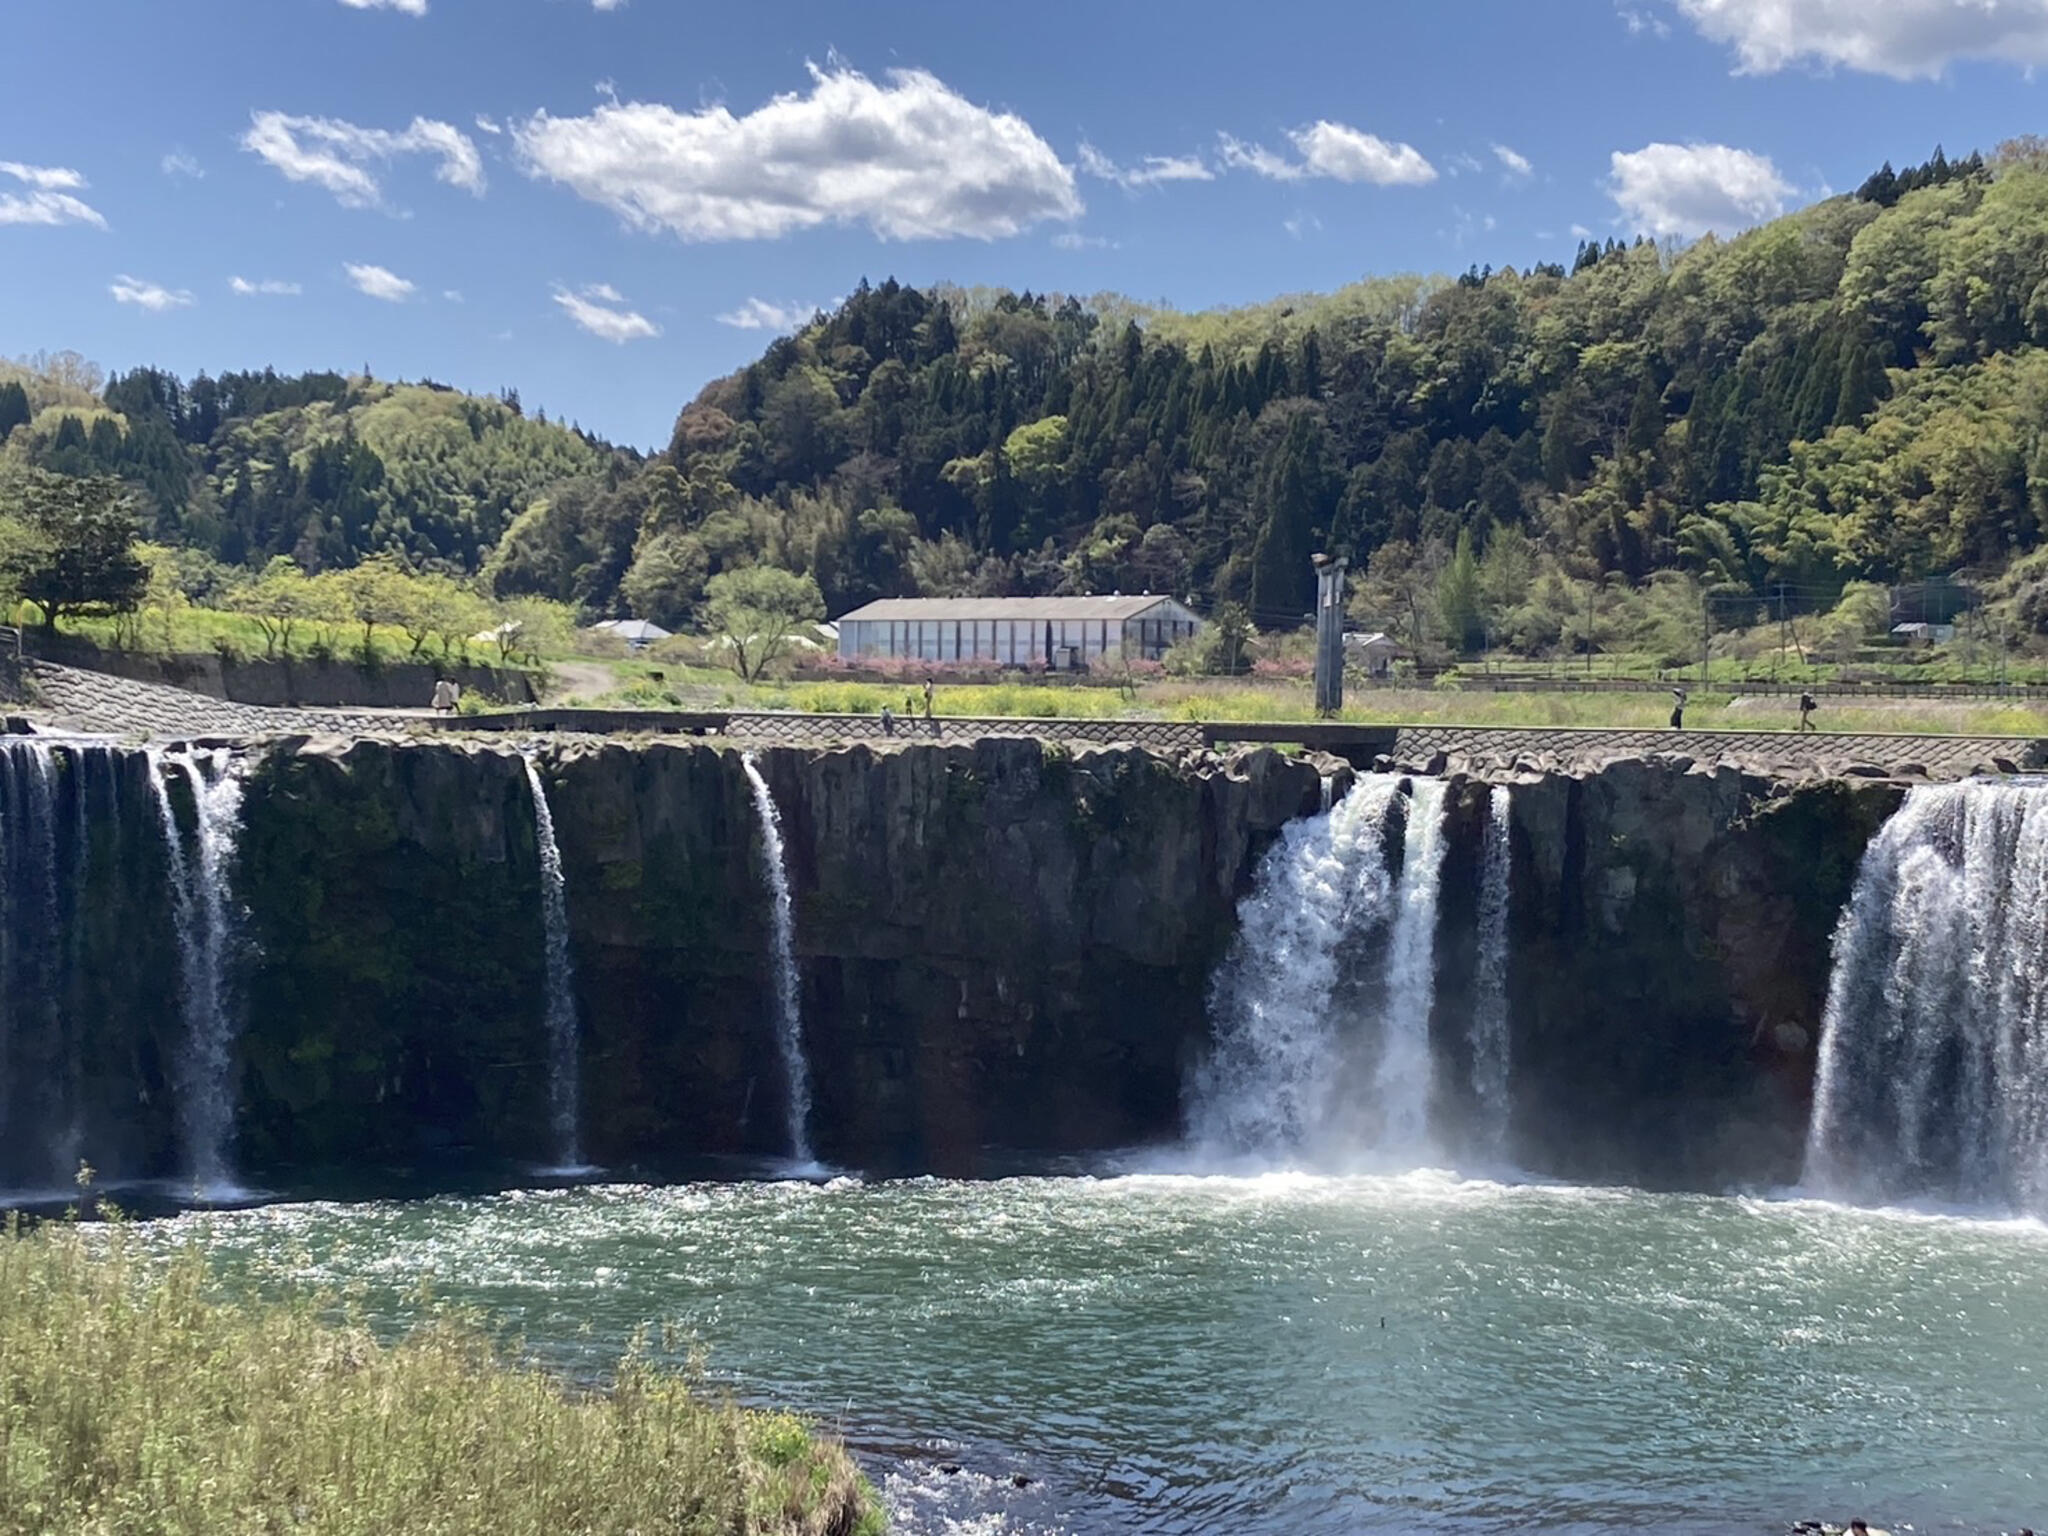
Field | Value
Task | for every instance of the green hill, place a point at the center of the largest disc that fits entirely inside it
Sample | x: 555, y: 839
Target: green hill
x: 1853, y: 393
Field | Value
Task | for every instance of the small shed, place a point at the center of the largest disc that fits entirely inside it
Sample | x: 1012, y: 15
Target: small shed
x: 1923, y: 634
x: 1374, y: 652
x: 1058, y: 634
x: 635, y: 632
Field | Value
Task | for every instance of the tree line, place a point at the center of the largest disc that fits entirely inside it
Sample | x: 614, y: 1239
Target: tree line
x: 1851, y: 394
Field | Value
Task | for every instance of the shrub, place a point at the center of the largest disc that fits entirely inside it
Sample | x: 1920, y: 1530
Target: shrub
x: 141, y: 1399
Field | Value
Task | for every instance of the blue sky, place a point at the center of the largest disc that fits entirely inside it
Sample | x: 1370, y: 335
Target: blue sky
x: 606, y: 203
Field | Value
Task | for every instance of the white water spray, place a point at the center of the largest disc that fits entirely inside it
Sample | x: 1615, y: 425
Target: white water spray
x: 564, y: 1069
x: 1489, y: 1040
x: 789, y: 1026
x: 1314, y: 1053
x: 206, y: 922
x: 1404, y: 1077
x: 1933, y: 1072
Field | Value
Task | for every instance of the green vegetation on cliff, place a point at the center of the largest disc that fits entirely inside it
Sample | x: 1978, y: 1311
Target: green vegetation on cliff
x: 134, y: 1397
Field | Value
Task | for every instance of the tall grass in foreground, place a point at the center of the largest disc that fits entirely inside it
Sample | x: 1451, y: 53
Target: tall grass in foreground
x: 133, y: 1398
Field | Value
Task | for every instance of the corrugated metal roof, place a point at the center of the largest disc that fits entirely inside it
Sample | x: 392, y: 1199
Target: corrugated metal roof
x: 1115, y: 609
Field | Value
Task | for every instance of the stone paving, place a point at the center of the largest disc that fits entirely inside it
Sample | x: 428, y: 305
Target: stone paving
x: 95, y: 701
x: 824, y: 730
x: 1782, y: 751
x: 120, y: 706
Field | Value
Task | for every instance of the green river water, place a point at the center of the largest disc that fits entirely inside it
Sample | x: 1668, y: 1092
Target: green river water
x: 1284, y: 1353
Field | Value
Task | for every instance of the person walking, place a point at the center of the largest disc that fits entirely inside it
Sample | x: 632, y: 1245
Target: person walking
x: 1806, y: 711
x: 1678, y: 709
x: 927, y: 698
x: 445, y: 697
x: 888, y: 721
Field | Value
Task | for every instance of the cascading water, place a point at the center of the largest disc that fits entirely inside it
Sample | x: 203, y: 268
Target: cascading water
x: 564, y: 1069
x: 30, y: 921
x: 1404, y: 1070
x: 1489, y: 1039
x: 789, y: 1026
x: 1933, y: 1073
x: 1299, y: 1066
x: 207, y: 922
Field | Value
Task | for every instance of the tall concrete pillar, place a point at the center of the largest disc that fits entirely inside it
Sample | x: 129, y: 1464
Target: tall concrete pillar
x: 1329, y: 634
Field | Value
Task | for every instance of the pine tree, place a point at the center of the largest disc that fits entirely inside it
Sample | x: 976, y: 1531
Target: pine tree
x: 1458, y: 599
x: 14, y: 411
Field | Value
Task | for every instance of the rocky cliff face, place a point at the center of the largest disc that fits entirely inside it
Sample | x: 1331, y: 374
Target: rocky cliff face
x: 1000, y: 945
x: 1669, y: 955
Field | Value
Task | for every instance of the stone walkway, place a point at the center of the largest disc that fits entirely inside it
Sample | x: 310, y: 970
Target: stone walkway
x: 1778, y: 751
x: 120, y: 706
x: 94, y: 701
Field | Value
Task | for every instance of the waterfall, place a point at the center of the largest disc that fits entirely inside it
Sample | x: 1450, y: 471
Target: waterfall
x: 207, y: 923
x: 44, y: 853
x: 564, y: 1090
x: 789, y: 1024
x: 1404, y: 1069
x: 1933, y: 1072
x: 70, y: 1134
x: 30, y: 928
x: 1317, y: 1051
x: 1490, y: 981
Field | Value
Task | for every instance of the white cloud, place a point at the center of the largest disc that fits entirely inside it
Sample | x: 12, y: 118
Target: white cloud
x: 1301, y: 224
x: 1346, y: 154
x: 1580, y: 232
x: 335, y: 155
x: 380, y: 283
x: 44, y: 178
x: 1065, y: 240
x: 48, y: 200
x: 1148, y: 172
x: 911, y: 159
x: 178, y: 163
x: 1336, y: 151
x: 1258, y: 159
x: 485, y: 123
x: 409, y: 7
x: 453, y: 295
x: 1641, y: 23
x: 1906, y: 39
x: 268, y: 287
x: 598, y: 309
x: 1513, y: 161
x: 153, y: 297
x: 607, y: 5
x: 760, y: 315
x: 1689, y: 189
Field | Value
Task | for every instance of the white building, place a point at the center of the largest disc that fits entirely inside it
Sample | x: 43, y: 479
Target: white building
x: 1061, y: 634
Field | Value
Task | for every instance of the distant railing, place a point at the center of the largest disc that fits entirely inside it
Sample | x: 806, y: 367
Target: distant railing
x: 1527, y: 682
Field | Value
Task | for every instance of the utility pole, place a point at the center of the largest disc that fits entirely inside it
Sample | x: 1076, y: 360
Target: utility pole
x: 1589, y: 629
x: 1329, y: 634
x: 1705, y: 640
x: 1781, y: 633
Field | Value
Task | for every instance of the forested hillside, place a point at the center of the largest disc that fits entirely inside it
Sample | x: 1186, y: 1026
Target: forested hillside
x: 321, y: 468
x: 1856, y: 392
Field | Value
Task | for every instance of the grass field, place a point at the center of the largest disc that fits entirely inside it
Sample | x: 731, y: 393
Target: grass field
x: 1285, y: 700
x: 135, y: 1397
x: 675, y: 677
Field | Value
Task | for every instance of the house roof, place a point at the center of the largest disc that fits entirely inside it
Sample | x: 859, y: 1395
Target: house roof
x: 1056, y: 609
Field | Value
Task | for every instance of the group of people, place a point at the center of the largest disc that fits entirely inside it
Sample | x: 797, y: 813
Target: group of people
x: 910, y: 709
x: 1678, y: 698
